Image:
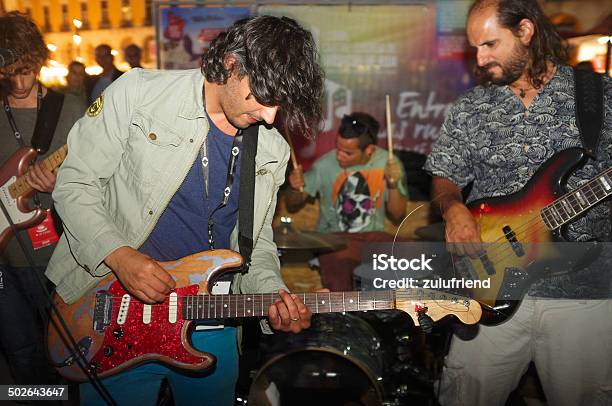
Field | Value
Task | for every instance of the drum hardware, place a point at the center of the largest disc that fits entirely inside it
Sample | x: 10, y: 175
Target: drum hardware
x: 289, y: 239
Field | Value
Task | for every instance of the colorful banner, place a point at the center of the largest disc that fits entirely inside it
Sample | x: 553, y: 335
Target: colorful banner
x: 369, y: 51
x: 186, y: 32
x: 413, y: 52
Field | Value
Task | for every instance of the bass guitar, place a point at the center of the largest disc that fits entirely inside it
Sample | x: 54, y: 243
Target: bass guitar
x: 523, y: 234
x: 114, y: 331
x: 16, y: 193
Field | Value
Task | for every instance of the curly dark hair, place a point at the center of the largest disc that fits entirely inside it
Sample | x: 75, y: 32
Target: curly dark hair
x: 546, y: 43
x: 20, y: 34
x: 281, y: 61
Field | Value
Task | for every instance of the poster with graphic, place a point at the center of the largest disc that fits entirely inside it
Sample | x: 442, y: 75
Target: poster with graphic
x: 368, y: 51
x: 185, y: 33
x: 415, y: 53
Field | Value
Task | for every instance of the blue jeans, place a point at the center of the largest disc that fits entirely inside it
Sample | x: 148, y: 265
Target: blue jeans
x: 21, y: 326
x: 140, y: 386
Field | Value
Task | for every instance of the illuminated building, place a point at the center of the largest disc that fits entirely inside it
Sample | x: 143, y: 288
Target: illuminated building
x: 73, y: 28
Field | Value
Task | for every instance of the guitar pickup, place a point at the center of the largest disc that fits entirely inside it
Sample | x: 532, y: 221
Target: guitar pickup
x: 103, y: 311
x: 487, y: 264
x: 517, y: 247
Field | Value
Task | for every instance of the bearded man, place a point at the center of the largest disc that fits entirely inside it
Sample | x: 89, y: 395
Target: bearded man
x: 496, y: 137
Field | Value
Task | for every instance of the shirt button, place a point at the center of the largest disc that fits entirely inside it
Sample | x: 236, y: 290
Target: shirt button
x: 150, y: 212
x: 152, y: 136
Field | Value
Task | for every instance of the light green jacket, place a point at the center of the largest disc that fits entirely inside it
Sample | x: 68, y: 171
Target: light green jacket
x: 126, y: 162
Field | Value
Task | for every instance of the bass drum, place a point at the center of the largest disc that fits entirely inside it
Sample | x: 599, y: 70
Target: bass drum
x: 337, y: 361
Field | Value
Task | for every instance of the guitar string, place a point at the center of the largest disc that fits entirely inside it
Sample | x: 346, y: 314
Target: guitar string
x: 334, y: 300
x: 371, y: 306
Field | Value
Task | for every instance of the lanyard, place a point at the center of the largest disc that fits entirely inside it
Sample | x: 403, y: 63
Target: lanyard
x: 229, y: 180
x: 11, y: 119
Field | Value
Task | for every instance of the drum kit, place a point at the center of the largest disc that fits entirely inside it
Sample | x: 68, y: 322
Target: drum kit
x: 366, y: 358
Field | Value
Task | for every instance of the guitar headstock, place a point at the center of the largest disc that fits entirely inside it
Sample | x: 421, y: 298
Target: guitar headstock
x: 437, y: 305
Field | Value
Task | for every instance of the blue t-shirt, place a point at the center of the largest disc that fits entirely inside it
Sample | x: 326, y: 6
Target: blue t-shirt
x: 182, y: 229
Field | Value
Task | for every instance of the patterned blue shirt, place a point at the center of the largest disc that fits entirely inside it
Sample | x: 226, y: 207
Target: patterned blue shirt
x: 491, y: 139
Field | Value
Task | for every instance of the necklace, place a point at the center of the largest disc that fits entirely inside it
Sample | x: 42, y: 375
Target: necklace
x: 522, y: 91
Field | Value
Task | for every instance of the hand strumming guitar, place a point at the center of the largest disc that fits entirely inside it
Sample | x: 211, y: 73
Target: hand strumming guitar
x: 140, y: 275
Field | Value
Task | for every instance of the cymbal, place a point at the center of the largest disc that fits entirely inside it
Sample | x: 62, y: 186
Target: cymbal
x: 287, y: 238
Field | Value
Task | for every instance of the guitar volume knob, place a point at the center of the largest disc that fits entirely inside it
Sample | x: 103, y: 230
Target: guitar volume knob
x: 118, y: 333
x: 108, y: 351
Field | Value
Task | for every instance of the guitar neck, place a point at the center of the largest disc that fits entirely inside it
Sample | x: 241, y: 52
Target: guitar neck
x: 573, y: 204
x: 52, y: 162
x: 197, y: 307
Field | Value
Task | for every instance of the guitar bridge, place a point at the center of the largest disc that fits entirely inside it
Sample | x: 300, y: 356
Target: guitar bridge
x: 103, y: 311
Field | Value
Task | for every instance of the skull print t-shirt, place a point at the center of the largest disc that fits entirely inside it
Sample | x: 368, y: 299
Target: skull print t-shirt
x: 352, y: 199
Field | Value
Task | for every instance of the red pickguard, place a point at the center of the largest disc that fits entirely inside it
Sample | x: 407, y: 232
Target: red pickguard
x: 159, y: 340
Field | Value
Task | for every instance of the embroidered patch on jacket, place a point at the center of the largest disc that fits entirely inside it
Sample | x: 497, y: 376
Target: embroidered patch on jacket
x: 96, y: 107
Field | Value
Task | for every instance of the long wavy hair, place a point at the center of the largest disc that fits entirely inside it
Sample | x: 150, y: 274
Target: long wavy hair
x: 19, y: 34
x: 546, y: 44
x: 281, y: 61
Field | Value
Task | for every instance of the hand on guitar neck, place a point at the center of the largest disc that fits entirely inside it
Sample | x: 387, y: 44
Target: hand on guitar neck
x: 40, y: 178
x: 462, y: 232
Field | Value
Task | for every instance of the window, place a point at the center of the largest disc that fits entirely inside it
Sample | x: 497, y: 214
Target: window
x: 126, y: 13
x: 47, y: 19
x: 65, y: 19
x: 84, y: 16
x: 148, y: 11
x: 105, y: 23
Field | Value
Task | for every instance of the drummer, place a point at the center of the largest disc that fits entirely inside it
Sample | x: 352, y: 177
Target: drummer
x: 357, y: 184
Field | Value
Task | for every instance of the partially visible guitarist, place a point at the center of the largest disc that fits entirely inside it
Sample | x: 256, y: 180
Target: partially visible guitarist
x: 23, y: 98
x: 497, y: 136
x: 155, y: 173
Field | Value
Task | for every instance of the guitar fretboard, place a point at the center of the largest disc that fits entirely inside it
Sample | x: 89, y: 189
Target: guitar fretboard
x: 573, y: 204
x: 227, y: 306
x: 53, y: 161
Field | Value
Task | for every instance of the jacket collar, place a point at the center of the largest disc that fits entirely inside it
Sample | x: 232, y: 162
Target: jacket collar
x: 192, y: 105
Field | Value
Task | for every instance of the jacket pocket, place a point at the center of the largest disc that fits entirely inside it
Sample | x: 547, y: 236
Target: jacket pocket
x: 150, y: 149
x: 154, y: 131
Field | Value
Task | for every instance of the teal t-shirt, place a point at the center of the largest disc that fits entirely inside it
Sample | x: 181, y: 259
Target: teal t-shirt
x: 352, y: 199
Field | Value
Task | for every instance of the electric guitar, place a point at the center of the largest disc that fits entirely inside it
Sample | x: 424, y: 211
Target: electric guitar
x: 15, y: 192
x: 114, y: 331
x: 521, y: 231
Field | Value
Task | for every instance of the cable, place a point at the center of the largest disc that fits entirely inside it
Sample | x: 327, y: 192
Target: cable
x: 81, y: 361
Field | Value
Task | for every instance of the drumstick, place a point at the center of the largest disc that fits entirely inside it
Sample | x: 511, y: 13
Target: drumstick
x: 292, y: 153
x: 389, y: 135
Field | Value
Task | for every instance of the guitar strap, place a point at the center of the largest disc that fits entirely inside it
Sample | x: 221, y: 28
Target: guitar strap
x: 246, y: 200
x: 46, y: 121
x: 589, y: 113
x: 589, y: 108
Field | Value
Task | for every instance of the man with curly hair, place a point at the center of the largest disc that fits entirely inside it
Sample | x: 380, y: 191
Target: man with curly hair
x: 28, y: 109
x: 155, y: 174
